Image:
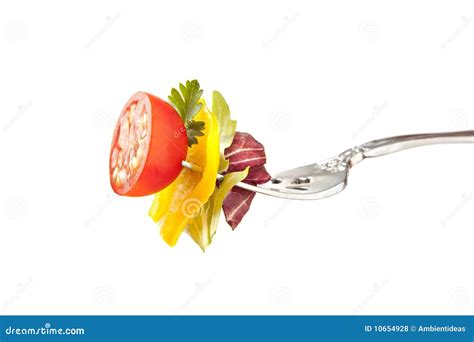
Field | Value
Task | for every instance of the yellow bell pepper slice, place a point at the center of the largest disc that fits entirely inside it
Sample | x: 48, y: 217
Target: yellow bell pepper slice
x: 183, y: 199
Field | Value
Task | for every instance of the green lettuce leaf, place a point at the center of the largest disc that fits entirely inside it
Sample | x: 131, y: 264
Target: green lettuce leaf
x: 227, y: 127
x: 203, y: 227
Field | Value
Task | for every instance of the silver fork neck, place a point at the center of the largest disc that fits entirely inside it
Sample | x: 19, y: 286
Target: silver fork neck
x: 394, y: 144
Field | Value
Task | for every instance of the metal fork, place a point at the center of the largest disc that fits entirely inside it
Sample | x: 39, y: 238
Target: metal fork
x: 329, y: 177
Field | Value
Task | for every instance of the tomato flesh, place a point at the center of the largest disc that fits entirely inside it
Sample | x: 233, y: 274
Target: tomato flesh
x: 148, y: 146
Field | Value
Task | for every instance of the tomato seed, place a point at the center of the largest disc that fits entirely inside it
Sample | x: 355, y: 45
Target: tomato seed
x: 120, y: 159
x: 122, y: 177
x: 131, y: 112
x: 134, y: 163
x: 114, y: 175
x: 113, y: 161
x: 140, y: 152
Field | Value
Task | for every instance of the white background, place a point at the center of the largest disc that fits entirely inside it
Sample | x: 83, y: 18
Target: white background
x: 308, y: 79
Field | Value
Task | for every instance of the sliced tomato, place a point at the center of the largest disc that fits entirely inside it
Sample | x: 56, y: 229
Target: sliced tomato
x: 148, y: 146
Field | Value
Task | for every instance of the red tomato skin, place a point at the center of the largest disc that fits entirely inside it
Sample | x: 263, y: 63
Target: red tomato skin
x: 167, y: 148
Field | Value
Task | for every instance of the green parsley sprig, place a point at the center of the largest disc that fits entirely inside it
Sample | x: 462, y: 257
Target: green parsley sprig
x: 186, y: 102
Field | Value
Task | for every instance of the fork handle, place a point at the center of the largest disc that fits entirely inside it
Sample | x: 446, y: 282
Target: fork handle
x: 385, y: 146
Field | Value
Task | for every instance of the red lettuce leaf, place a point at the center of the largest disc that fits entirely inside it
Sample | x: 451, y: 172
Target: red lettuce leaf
x: 236, y: 205
x: 257, y: 175
x: 244, y: 151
